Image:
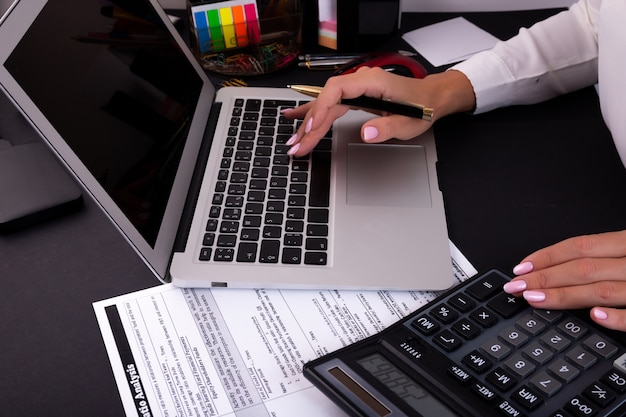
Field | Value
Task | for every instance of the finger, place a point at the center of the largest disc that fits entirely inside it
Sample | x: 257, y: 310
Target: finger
x: 309, y: 134
x: 380, y: 129
x: 577, y: 272
x: 611, y: 318
x: 297, y: 112
x: 606, y: 293
x: 605, y: 245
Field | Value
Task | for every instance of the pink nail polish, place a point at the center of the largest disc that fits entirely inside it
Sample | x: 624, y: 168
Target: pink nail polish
x: 292, y: 140
x: 523, y: 268
x: 293, y: 149
x: 599, y: 314
x: 534, y: 296
x: 514, y: 287
x: 370, y: 133
x: 308, y: 126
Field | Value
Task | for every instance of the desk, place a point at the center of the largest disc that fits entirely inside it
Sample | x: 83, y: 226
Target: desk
x: 504, y: 198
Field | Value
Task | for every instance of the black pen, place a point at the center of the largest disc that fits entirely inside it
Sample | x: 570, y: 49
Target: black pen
x: 403, y: 108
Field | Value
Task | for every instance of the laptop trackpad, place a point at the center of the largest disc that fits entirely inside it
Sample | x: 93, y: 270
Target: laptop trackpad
x: 387, y: 175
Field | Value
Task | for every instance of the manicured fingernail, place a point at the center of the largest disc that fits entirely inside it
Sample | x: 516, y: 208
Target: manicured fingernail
x: 523, y: 268
x: 293, y: 149
x: 292, y: 140
x: 534, y: 296
x: 308, y: 126
x: 370, y: 133
x: 599, y: 314
x: 514, y: 287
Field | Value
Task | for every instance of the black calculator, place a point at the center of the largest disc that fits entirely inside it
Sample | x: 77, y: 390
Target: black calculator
x: 477, y: 351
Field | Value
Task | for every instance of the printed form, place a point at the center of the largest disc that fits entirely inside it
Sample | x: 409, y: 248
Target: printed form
x: 239, y: 352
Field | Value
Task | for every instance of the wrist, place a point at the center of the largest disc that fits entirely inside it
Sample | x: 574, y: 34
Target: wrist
x: 452, y: 93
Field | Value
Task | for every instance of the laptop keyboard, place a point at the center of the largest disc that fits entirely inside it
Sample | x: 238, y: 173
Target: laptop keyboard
x: 268, y: 207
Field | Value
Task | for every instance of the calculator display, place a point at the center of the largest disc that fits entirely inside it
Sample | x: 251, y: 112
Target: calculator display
x: 403, y: 386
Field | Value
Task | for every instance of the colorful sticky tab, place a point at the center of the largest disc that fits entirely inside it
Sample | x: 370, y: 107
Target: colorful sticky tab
x: 202, y: 28
x: 239, y: 19
x: 254, y: 32
x: 226, y: 24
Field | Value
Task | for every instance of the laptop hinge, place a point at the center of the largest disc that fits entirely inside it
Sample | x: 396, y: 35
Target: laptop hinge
x: 196, y: 180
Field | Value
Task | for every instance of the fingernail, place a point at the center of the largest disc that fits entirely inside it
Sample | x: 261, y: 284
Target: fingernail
x: 370, y: 133
x: 293, y: 149
x: 599, y: 314
x: 523, y: 268
x: 309, y: 125
x: 534, y: 296
x: 514, y: 287
x: 292, y: 140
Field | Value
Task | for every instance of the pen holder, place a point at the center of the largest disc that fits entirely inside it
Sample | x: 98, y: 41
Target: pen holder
x: 244, y: 37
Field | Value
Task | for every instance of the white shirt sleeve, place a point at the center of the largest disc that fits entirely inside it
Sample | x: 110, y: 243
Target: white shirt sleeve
x: 553, y: 57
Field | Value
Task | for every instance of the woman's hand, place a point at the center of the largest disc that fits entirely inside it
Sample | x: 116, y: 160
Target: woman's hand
x: 446, y: 93
x: 580, y: 272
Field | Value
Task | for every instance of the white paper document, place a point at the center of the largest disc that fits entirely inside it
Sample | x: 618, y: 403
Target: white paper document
x: 449, y: 41
x: 239, y: 352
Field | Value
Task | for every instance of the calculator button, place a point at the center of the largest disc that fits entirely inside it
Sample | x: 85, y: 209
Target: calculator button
x: 476, y: 361
x: 486, y: 287
x: 545, y: 384
x: 508, y: 409
x: 459, y: 373
x: 496, y: 349
x: 444, y: 313
x: 538, y: 353
x: 573, y: 328
x: 484, y: 392
x: 425, y: 325
x: 466, y: 328
x: 599, y: 394
x: 581, y: 358
x: 581, y: 407
x: 620, y: 363
x: 519, y: 365
x: 507, y: 305
x: 527, y: 397
x: 484, y: 317
x: 501, y: 379
x: 555, y: 340
x: 448, y: 341
x: 563, y: 370
x: 462, y: 302
x: 513, y: 336
x: 530, y: 324
x: 601, y: 346
x: 549, y: 316
x: 616, y: 380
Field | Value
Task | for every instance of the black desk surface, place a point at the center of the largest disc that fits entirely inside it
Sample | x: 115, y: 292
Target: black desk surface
x: 513, y: 180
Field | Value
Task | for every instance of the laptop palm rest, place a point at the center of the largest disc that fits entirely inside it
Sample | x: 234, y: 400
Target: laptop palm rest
x: 387, y: 175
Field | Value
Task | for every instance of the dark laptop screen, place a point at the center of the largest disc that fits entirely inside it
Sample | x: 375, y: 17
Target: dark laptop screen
x: 111, y: 80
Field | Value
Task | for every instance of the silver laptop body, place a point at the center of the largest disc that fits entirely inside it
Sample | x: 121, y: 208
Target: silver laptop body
x: 139, y: 124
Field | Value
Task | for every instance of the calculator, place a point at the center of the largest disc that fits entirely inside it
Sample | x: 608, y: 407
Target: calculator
x: 478, y: 351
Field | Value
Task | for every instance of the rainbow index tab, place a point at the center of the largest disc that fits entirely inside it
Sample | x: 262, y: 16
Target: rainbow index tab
x: 239, y: 19
x: 254, y: 31
x: 215, y: 29
x: 228, y: 28
x: 202, y: 29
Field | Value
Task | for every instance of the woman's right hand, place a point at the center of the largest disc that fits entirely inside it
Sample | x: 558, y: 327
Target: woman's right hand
x: 446, y: 93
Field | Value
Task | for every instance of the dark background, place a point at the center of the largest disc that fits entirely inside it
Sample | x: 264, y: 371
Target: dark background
x: 513, y: 180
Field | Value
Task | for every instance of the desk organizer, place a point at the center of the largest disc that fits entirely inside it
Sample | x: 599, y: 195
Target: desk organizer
x: 244, y: 37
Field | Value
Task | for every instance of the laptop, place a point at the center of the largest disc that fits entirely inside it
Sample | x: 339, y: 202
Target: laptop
x: 198, y: 180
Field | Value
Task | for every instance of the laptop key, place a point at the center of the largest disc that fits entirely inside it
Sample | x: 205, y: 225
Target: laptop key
x: 247, y: 252
x: 270, y: 250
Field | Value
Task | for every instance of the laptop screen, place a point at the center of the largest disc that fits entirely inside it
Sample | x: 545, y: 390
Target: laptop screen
x: 117, y: 88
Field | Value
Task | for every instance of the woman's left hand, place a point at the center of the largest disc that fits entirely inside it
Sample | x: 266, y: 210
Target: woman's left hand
x: 580, y: 272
